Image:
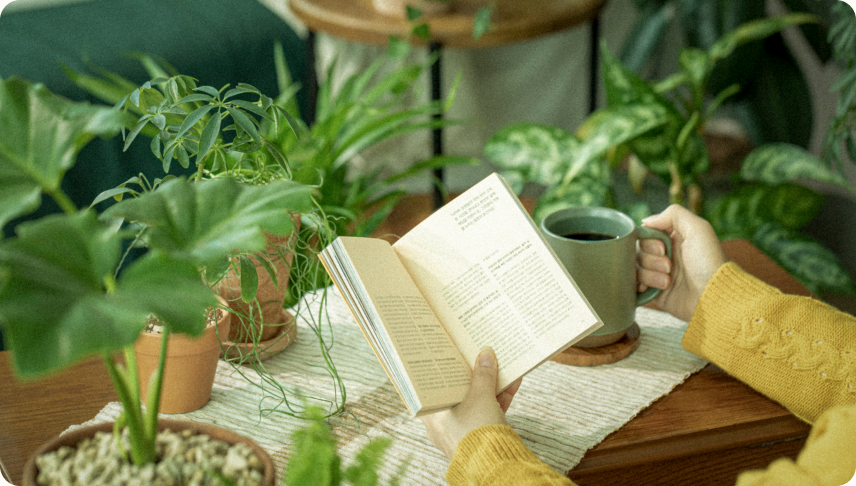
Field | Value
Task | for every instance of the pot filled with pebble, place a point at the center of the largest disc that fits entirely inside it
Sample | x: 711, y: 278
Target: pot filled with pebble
x: 189, y: 453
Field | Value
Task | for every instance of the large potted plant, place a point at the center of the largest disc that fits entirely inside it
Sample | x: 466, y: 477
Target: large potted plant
x: 242, y: 133
x: 656, y: 129
x: 65, y: 293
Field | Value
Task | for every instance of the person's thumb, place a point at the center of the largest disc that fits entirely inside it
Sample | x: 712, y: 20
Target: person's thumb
x: 484, y: 374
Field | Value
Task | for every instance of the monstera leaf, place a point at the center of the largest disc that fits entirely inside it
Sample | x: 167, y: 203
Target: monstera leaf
x: 42, y: 135
x: 203, y: 221
x: 60, y: 302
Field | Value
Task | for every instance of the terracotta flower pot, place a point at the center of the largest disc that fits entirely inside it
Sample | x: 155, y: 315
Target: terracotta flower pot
x: 267, y: 316
x: 72, y: 438
x: 191, y: 364
x: 285, y: 335
x: 398, y: 8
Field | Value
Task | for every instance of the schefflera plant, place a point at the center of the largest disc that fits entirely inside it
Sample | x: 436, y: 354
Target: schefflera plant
x: 64, y: 293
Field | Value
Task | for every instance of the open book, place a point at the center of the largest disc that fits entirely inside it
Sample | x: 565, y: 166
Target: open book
x: 475, y: 273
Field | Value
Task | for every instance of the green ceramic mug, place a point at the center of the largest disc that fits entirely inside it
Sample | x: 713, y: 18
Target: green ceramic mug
x: 598, y: 248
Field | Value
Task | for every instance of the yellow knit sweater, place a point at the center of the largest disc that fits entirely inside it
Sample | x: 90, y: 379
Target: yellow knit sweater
x: 796, y: 350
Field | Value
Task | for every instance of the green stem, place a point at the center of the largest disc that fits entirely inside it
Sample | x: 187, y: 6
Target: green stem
x: 142, y: 446
x: 63, y: 201
x: 153, y: 400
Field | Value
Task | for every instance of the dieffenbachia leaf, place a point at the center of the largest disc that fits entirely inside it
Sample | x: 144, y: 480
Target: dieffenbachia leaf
x: 42, y: 135
x: 776, y: 163
x: 814, y: 265
x: 741, y: 212
x: 755, y: 30
x: 583, y: 191
x: 535, y: 153
x: 202, y: 221
x: 59, y: 302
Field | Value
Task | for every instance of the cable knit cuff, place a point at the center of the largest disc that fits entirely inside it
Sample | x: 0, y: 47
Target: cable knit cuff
x: 482, y: 450
x: 721, y: 310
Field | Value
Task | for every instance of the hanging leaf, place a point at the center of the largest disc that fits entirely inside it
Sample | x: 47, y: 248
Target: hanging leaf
x: 249, y: 279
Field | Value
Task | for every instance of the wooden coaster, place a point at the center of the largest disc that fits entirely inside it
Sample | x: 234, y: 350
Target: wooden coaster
x: 611, y: 353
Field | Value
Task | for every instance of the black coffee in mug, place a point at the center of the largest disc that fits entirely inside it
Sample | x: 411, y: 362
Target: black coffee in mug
x: 589, y: 236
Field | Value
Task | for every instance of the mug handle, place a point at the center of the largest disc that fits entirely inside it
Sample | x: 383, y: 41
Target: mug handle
x: 650, y: 233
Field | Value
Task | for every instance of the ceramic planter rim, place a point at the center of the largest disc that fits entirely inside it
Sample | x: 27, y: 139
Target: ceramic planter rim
x: 219, y: 433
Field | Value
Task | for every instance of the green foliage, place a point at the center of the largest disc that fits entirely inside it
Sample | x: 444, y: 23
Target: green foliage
x: 840, y: 142
x: 659, y: 125
x: 42, y: 135
x: 73, y: 260
x: 314, y: 460
x: 774, y: 103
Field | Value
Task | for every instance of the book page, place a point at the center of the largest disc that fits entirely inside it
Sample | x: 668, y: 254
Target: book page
x: 492, y: 280
x: 401, y: 327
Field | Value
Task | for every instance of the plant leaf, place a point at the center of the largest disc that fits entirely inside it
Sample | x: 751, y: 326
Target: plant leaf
x: 756, y: 30
x: 66, y: 260
x: 209, y: 136
x: 201, y: 221
x: 42, y: 135
x: 249, y: 279
x: 777, y: 163
x: 814, y: 265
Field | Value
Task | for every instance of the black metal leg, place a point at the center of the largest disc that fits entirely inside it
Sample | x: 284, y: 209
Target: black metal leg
x: 436, y: 95
x: 594, y: 62
x: 311, y: 79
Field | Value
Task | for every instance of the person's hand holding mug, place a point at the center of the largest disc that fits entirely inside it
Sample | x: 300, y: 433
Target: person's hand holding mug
x: 481, y: 406
x: 696, y: 255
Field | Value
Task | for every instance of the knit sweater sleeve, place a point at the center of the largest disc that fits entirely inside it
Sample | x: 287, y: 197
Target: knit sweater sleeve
x: 493, y: 455
x: 796, y: 350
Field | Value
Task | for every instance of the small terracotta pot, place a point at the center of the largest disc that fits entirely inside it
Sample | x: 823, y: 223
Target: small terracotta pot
x: 285, y: 335
x: 31, y: 471
x: 269, y: 296
x: 398, y: 8
x: 191, y: 364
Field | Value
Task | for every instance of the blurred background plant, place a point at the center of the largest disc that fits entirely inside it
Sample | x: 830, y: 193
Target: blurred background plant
x: 656, y: 128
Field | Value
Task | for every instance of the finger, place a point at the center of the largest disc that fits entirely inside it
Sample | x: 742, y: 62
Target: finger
x: 484, y: 375
x: 655, y: 263
x: 652, y: 247
x: 666, y: 220
x: 654, y: 279
x: 507, y: 395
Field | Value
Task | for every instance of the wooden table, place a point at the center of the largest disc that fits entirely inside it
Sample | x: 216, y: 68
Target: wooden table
x: 511, y: 21
x: 704, y: 432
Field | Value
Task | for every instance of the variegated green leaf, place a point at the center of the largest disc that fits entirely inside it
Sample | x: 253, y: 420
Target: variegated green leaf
x: 755, y: 30
x: 615, y: 126
x: 537, y: 153
x: 776, y: 163
x: 814, y: 265
x: 741, y: 212
x: 583, y: 191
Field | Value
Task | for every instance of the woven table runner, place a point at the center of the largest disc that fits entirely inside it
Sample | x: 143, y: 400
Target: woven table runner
x: 561, y: 411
